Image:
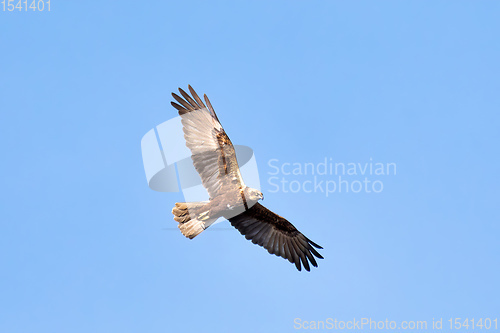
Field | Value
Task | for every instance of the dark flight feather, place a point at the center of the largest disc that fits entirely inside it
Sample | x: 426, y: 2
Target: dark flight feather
x: 297, y: 248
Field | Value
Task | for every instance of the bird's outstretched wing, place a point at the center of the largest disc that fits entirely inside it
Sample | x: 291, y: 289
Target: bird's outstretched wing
x: 277, y: 235
x: 212, y: 152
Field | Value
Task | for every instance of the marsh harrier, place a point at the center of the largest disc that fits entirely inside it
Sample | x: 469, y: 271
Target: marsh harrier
x: 214, y: 158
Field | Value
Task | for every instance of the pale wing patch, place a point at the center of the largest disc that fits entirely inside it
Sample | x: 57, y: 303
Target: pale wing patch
x: 200, y: 130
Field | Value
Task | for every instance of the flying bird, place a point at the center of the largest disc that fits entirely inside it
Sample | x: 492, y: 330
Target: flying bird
x: 214, y: 158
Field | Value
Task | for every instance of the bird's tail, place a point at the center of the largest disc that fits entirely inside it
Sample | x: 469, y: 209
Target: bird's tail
x: 193, y: 217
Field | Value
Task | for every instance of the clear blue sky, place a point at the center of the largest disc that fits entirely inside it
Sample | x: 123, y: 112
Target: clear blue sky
x: 86, y: 246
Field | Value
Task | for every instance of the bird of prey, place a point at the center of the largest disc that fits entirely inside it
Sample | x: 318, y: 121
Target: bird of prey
x: 214, y: 158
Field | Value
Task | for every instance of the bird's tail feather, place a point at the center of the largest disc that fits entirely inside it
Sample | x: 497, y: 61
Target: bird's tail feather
x: 193, y: 217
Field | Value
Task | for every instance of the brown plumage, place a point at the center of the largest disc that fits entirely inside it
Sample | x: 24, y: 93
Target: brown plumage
x: 214, y: 158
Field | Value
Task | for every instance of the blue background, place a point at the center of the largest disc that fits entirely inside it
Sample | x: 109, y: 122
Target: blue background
x: 86, y: 246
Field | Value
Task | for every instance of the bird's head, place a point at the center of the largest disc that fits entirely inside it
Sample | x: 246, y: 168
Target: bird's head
x: 252, y: 194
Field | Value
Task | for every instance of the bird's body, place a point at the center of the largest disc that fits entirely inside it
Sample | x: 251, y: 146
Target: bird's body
x: 214, y: 158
